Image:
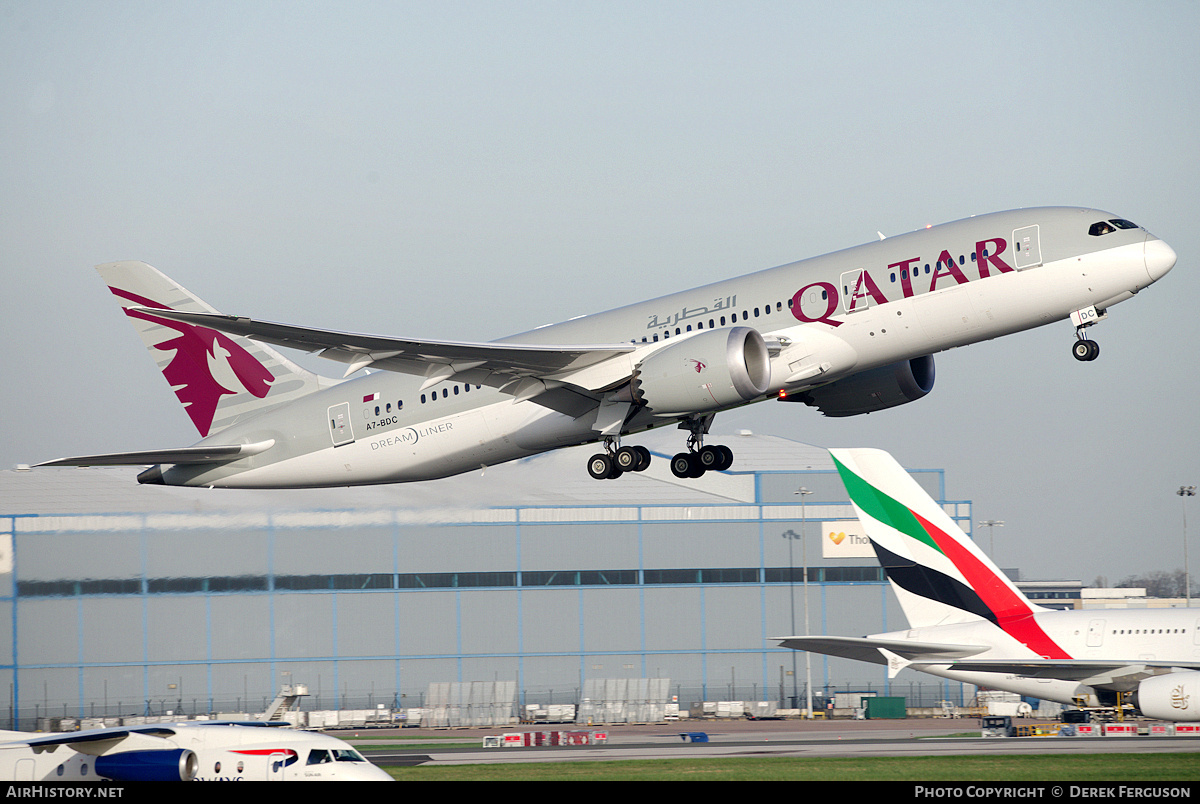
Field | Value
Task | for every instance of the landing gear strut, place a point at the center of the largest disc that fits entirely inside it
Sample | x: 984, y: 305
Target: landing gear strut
x: 1083, y: 349
x: 616, y: 461
x: 699, y: 458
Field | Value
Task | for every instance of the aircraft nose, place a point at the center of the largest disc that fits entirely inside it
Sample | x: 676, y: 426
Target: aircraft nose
x: 1160, y: 258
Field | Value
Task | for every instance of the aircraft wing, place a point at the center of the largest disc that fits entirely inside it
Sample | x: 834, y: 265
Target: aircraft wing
x: 521, y: 369
x: 96, y: 742
x: 867, y: 649
x: 200, y: 454
x: 1095, y: 672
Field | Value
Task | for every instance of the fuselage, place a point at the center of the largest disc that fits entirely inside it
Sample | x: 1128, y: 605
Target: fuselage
x: 1126, y: 636
x: 826, y: 318
x: 222, y: 753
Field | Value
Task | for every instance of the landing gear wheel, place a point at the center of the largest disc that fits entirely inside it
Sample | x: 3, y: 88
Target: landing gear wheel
x: 644, y: 459
x: 631, y: 459
x: 681, y: 465
x: 600, y: 466
x: 726, y: 458
x: 710, y: 457
x: 1085, y: 350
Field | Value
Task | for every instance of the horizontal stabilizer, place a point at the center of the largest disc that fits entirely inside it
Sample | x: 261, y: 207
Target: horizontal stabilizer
x: 867, y: 649
x: 202, y: 454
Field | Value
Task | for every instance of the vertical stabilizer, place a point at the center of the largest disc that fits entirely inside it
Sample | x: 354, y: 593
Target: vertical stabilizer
x: 219, y: 378
x: 939, y: 575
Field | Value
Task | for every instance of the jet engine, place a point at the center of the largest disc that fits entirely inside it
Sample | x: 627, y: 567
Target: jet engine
x: 172, y: 765
x: 873, y: 389
x: 706, y: 371
x: 1174, y: 696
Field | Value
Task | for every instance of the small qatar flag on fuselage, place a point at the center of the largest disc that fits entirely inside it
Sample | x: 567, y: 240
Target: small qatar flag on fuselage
x: 371, y: 397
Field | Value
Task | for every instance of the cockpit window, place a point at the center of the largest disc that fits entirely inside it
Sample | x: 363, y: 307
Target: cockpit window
x: 320, y: 756
x: 1107, y: 227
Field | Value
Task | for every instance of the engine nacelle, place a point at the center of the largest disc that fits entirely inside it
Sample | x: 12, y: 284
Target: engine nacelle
x: 171, y: 765
x: 1174, y: 696
x: 704, y: 372
x: 872, y: 390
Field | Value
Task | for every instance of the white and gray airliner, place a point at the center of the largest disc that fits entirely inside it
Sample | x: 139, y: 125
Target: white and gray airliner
x: 847, y: 333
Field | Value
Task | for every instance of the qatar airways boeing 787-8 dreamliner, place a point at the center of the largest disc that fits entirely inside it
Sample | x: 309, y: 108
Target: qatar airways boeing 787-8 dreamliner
x: 848, y: 333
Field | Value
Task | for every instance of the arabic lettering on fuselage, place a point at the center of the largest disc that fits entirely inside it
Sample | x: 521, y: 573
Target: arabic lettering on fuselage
x: 718, y: 305
x: 861, y: 289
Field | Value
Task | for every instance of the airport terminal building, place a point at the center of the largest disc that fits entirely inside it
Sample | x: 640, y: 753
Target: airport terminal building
x: 125, y: 599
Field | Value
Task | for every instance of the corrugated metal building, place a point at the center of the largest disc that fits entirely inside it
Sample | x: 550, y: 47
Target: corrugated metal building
x: 130, y: 599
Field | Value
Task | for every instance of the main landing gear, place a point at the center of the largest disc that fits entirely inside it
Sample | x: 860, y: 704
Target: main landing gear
x: 717, y: 457
x: 616, y: 461
x: 699, y: 458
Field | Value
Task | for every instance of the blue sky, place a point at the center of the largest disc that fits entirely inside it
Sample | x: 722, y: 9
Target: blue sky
x: 468, y: 170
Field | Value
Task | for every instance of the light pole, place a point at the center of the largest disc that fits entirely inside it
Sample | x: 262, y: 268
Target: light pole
x: 791, y: 536
x: 803, y: 492
x: 990, y: 524
x: 1185, y: 492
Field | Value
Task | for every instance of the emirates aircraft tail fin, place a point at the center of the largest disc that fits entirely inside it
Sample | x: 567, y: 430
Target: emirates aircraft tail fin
x: 939, y: 575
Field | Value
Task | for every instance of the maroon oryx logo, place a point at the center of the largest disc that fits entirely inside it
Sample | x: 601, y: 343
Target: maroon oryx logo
x: 198, y: 351
x: 699, y: 366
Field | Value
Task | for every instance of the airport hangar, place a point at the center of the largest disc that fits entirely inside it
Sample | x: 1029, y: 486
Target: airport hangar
x: 123, y: 599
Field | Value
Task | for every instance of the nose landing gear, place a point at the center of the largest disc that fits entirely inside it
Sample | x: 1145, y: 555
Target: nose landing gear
x: 1083, y: 349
